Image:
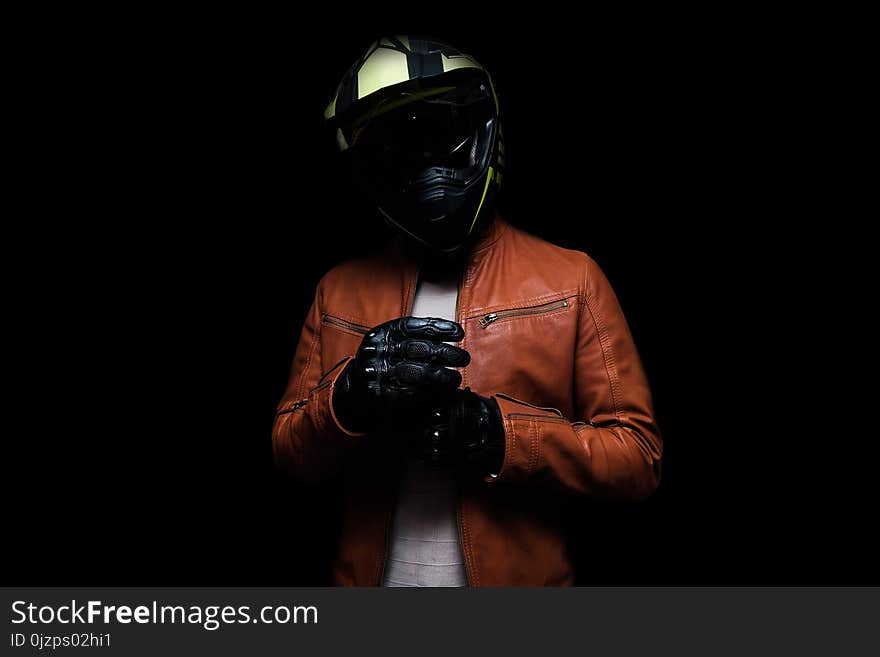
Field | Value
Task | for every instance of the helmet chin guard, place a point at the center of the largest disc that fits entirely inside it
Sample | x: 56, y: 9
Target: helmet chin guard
x: 447, y: 221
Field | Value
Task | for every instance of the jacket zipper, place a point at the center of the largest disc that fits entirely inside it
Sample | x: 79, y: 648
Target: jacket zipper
x: 545, y: 418
x: 297, y: 405
x: 549, y: 409
x: 389, y: 519
x: 489, y: 318
x: 341, y: 323
x: 459, y: 511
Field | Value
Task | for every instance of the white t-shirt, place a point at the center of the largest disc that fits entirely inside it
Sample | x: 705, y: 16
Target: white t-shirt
x: 424, y: 547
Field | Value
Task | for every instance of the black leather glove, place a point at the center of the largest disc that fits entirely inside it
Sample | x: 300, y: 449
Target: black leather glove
x: 469, y: 429
x: 401, y: 366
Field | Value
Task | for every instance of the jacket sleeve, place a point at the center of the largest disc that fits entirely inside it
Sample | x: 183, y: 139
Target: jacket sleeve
x: 613, y: 448
x: 307, y: 440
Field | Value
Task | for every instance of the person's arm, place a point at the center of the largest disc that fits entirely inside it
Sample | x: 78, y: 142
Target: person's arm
x: 612, y: 448
x: 307, y: 440
x: 400, y: 365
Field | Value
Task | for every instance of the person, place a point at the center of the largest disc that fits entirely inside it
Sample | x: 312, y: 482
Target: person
x: 468, y: 376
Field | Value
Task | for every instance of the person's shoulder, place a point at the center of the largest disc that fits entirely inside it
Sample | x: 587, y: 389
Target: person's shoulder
x: 548, y: 256
x: 363, y: 271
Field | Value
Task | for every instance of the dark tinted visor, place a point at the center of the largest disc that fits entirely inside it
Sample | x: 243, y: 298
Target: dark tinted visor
x: 410, y: 131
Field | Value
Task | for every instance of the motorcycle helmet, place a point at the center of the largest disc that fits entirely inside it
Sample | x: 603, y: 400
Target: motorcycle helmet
x: 418, y: 121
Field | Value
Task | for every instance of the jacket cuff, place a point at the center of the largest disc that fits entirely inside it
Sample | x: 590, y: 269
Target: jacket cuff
x: 322, y: 398
x: 330, y: 389
x: 522, y: 432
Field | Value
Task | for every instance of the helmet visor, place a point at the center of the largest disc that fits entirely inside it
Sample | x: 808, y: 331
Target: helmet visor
x: 408, y: 134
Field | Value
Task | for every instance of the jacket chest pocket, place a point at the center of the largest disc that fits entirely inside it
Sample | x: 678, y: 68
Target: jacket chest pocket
x: 344, y: 325
x: 527, y: 351
x: 554, y: 306
x: 340, y: 338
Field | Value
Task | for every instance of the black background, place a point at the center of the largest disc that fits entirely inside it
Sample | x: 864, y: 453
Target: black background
x: 183, y: 205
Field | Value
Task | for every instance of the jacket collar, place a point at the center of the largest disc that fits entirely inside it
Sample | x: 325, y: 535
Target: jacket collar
x: 491, y: 234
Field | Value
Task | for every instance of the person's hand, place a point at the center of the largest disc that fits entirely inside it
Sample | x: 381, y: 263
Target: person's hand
x: 402, y: 365
x: 467, y: 429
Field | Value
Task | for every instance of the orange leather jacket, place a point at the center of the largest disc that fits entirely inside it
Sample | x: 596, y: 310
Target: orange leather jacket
x: 548, y: 341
